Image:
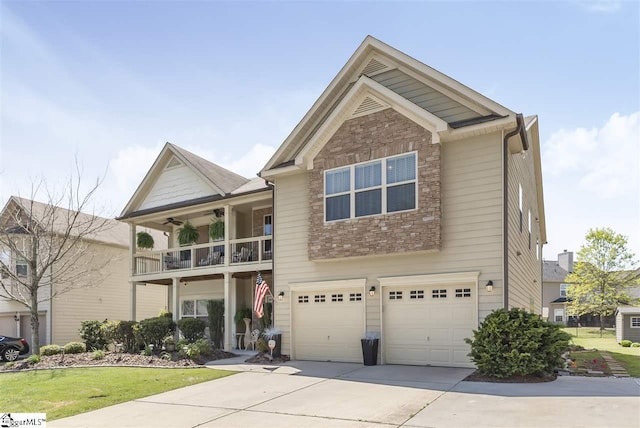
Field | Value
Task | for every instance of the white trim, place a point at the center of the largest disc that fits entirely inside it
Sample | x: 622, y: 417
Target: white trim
x: 328, y: 285
x: 433, y: 279
x: 631, y: 322
x: 384, y: 186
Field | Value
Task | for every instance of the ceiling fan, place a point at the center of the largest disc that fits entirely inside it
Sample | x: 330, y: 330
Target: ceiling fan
x: 173, y: 221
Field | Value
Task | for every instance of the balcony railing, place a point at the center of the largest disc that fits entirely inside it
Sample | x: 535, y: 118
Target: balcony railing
x: 237, y: 252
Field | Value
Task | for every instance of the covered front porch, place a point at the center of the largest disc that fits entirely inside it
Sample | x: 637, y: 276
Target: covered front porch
x: 188, y: 295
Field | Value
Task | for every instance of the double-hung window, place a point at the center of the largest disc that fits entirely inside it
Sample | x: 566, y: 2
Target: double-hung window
x: 382, y: 186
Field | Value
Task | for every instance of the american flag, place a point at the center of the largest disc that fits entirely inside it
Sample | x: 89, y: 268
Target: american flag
x: 262, y: 288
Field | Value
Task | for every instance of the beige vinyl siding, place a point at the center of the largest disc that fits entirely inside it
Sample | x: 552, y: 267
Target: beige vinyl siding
x: 525, y: 270
x: 424, y: 96
x: 471, y: 230
x: 105, y: 297
x: 175, y: 185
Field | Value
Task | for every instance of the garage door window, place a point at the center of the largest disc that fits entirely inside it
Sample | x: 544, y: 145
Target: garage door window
x: 439, y: 294
x: 416, y: 294
x: 319, y: 298
x: 463, y: 292
x: 355, y: 297
x: 395, y: 295
x: 303, y: 299
x: 336, y: 297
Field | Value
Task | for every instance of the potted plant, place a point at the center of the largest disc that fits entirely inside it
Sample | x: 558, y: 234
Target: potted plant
x: 216, y: 229
x: 187, y: 234
x: 169, y: 344
x: 370, y: 348
x: 145, y: 240
x: 274, y: 334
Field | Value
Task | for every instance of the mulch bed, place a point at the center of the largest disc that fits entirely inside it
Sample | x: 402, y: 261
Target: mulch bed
x: 477, y: 377
x: 265, y: 358
x: 113, y: 359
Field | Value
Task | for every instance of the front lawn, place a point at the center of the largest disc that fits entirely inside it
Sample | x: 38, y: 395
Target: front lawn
x: 67, y: 392
x: 589, y: 338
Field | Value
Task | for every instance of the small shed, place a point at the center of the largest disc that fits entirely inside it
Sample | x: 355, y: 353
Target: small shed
x: 628, y: 323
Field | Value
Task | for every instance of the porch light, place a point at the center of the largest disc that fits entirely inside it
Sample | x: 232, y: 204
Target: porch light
x: 281, y: 296
x: 16, y: 318
x: 372, y: 291
x: 489, y: 286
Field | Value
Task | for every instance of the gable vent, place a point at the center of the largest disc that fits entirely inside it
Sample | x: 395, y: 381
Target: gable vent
x: 368, y: 105
x: 173, y: 163
x: 374, y: 66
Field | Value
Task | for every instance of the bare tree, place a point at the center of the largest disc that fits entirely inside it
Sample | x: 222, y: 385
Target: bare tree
x: 47, y: 249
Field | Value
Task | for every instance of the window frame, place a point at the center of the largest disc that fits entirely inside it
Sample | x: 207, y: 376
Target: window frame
x: 22, y: 263
x: 520, y: 203
x: 631, y: 320
x: 195, y: 314
x: 555, y: 315
x: 563, y: 288
x: 383, y: 187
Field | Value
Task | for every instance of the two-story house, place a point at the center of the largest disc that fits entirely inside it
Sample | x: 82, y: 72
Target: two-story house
x: 554, y: 288
x: 233, y: 219
x: 91, y: 297
x: 406, y: 204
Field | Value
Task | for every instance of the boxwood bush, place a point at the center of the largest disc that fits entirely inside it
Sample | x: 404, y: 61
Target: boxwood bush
x: 192, y: 328
x: 75, y: 348
x: 120, y: 332
x: 50, y: 350
x: 93, y: 334
x: 625, y: 343
x: 517, y: 343
x: 152, y: 331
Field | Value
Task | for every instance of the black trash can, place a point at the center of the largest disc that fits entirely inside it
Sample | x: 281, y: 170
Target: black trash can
x: 370, y: 351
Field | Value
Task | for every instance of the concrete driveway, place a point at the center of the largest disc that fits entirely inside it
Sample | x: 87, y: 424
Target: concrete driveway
x: 315, y: 394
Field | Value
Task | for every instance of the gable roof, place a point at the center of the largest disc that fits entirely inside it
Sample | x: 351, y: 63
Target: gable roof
x: 435, y: 94
x: 221, y: 181
x: 114, y: 232
x: 551, y: 271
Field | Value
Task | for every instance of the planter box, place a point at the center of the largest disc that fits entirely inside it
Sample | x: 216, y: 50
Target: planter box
x: 370, y: 351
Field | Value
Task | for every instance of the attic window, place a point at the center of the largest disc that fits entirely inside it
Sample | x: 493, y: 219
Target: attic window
x: 173, y: 163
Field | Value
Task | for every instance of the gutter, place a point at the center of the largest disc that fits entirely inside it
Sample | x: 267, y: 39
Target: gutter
x: 520, y: 129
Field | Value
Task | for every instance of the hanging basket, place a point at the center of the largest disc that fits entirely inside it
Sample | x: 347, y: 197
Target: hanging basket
x: 144, y: 240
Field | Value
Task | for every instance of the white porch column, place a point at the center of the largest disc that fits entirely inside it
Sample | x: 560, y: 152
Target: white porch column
x: 227, y: 235
x: 133, y: 290
x: 175, y: 307
x: 132, y: 249
x: 228, y: 321
x: 233, y: 308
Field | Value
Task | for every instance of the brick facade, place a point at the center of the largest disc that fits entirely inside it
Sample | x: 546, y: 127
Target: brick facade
x: 380, y: 134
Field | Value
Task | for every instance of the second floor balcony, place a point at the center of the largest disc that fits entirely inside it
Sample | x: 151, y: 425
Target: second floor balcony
x: 245, y: 252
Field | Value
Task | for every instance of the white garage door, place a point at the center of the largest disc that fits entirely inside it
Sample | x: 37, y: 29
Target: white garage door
x: 328, y: 325
x: 7, y: 325
x: 426, y: 325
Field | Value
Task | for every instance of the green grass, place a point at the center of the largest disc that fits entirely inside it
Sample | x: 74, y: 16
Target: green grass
x: 589, y: 338
x: 589, y: 361
x: 68, y: 392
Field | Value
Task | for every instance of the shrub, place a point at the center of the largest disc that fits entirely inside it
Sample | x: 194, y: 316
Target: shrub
x: 195, y: 350
x: 98, y: 354
x: 261, y: 345
x: 75, y: 348
x: 33, y: 359
x: 152, y: 331
x: 635, y: 345
x: 50, y: 350
x: 517, y: 343
x: 215, y: 310
x: 625, y: 343
x: 92, y: 334
x: 192, y: 328
x: 124, y: 334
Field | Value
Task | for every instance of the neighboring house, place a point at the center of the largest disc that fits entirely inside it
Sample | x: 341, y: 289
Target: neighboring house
x: 100, y: 298
x: 628, y: 324
x: 554, y: 288
x: 406, y: 204
x: 181, y: 187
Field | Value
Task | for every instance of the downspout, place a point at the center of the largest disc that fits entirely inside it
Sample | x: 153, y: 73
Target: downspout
x: 273, y: 247
x: 505, y: 201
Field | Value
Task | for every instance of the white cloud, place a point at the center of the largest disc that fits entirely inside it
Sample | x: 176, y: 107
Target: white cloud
x: 605, y: 161
x: 602, y: 6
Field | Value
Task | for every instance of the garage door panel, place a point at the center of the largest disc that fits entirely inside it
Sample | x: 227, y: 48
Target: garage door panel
x: 328, y: 325
x: 427, y: 325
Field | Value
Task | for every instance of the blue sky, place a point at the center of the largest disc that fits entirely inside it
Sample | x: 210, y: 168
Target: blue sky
x: 112, y: 81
